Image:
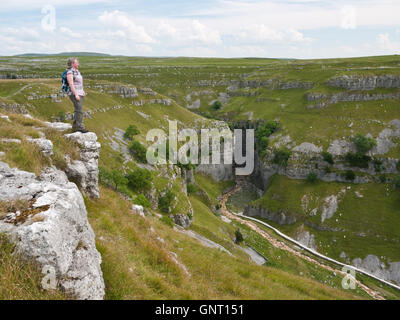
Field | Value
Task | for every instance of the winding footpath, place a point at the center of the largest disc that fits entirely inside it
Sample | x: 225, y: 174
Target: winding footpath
x: 283, y: 246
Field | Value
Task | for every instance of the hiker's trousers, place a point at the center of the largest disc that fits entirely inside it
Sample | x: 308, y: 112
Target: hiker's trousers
x: 78, y: 112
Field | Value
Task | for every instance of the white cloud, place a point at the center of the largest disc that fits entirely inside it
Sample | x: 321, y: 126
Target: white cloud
x: 262, y: 33
x: 387, y: 44
x: 349, y: 17
x: 125, y: 26
x: 70, y: 33
x: 23, y: 33
x: 199, y: 32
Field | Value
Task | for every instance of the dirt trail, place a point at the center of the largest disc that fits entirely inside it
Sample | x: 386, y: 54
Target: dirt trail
x: 281, y: 245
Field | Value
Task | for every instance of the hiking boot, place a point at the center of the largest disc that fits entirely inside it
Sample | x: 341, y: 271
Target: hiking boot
x: 82, y: 131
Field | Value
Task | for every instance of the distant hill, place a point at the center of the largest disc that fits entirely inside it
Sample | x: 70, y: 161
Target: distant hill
x: 88, y: 54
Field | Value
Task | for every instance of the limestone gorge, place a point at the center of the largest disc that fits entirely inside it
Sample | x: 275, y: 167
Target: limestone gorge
x: 88, y: 209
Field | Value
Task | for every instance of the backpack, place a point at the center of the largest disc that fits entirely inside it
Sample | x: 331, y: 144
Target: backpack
x: 64, y: 82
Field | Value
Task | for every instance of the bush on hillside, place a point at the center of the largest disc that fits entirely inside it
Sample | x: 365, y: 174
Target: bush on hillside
x: 217, y: 105
x: 130, y: 132
x: 281, y: 157
x: 363, y: 144
x: 141, y: 200
x: 191, y: 188
x: 312, y: 177
x: 112, y: 178
x: 327, y: 157
x: 139, y: 179
x: 349, y: 175
x: 138, y: 151
x: 165, y: 201
x: 238, y: 236
x: 358, y: 160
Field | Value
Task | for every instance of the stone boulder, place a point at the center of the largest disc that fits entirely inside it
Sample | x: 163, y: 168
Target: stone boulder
x: 53, y: 229
x: 181, y: 220
x: 45, y: 145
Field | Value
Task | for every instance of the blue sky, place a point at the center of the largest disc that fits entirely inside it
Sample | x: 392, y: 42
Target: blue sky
x: 211, y: 28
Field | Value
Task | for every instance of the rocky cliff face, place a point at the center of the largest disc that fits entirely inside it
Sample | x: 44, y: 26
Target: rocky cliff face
x: 278, y: 217
x: 85, y: 172
x: 53, y: 229
x: 374, y: 265
x: 325, y: 100
x: 365, y: 82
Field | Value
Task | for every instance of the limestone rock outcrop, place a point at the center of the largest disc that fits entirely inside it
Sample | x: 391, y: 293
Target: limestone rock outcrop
x: 85, y: 172
x: 53, y: 229
x: 374, y: 265
x: 355, y: 82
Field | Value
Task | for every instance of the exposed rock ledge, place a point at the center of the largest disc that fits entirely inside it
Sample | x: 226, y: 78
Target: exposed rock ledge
x: 356, y: 82
x: 54, y: 231
x: 85, y: 172
x: 374, y: 265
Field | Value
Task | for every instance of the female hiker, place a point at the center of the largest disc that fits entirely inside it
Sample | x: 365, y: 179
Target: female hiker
x: 76, y: 93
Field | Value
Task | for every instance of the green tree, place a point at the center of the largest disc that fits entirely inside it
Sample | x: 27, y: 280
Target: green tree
x: 217, y: 105
x: 118, y: 179
x: 130, y: 132
x: 165, y: 201
x: 112, y: 178
x: 238, y: 236
x: 138, y: 151
x: 139, y: 179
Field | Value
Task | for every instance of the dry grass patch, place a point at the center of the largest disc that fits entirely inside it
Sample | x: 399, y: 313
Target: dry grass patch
x: 20, y: 279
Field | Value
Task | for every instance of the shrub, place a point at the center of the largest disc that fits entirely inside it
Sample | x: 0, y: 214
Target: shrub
x: 358, y: 160
x: 281, y: 157
x: 327, y: 157
x: 238, y: 236
x: 383, y: 178
x: 217, y: 105
x: 139, y: 179
x: 398, y: 165
x: 167, y: 220
x: 191, y: 188
x: 349, y: 175
x: 165, y: 201
x: 263, y: 143
x: 377, y: 165
x: 141, y: 200
x: 130, y: 132
x: 138, y: 151
x: 363, y: 144
x: 312, y: 177
x: 397, y: 182
x: 328, y: 169
x: 112, y: 178
x: 266, y: 130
